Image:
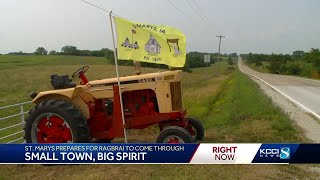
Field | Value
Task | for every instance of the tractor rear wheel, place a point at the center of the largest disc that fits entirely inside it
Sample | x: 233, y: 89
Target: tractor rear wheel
x: 195, y: 128
x: 56, y: 121
x: 174, y: 134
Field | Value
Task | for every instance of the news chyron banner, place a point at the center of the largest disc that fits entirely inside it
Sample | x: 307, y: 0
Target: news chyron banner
x: 159, y: 153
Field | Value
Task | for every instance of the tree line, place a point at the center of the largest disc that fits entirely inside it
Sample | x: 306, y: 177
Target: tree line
x: 299, y: 63
x: 193, y: 60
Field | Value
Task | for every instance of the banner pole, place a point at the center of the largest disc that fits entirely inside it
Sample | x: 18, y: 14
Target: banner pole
x: 116, y: 63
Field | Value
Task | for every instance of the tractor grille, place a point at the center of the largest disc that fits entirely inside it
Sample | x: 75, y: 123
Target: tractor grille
x: 176, y: 99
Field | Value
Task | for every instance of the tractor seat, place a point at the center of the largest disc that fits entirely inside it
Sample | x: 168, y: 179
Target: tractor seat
x: 61, y: 82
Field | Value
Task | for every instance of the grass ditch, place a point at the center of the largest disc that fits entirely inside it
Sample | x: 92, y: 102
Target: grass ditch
x: 244, y: 114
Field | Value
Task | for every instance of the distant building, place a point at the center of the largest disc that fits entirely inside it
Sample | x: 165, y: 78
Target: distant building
x: 152, y: 46
x: 298, y: 54
x: 233, y: 55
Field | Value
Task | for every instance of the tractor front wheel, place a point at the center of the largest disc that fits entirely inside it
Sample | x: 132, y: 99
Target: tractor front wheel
x: 195, y: 128
x: 174, y: 134
x: 56, y: 121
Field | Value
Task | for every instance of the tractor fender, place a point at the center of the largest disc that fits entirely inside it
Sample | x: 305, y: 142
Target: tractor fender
x: 71, y: 95
x: 63, y: 93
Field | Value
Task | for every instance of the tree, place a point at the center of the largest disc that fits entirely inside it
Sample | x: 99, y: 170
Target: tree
x: 41, y: 51
x: 294, y: 68
x: 19, y: 53
x: 109, y: 55
x: 230, y: 62
x: 53, y: 52
x: 70, y: 50
x: 314, y: 58
x: 195, y: 59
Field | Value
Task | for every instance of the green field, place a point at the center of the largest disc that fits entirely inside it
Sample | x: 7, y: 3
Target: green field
x: 21, y: 75
x: 231, y: 106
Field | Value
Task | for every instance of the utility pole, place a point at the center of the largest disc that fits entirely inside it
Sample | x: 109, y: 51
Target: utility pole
x: 220, y: 37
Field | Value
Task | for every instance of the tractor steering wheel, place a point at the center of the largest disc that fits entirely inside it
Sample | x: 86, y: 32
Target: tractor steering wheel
x: 81, y: 70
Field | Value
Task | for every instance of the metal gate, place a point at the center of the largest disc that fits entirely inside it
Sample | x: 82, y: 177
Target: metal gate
x: 11, y: 126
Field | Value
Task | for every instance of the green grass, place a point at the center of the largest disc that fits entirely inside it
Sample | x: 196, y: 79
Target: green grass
x: 10, y: 61
x: 231, y: 107
x: 243, y: 113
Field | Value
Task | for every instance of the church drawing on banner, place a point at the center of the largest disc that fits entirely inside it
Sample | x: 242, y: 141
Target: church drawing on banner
x: 152, y: 46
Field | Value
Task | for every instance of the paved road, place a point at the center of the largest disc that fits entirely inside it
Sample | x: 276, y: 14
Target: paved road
x: 304, y: 91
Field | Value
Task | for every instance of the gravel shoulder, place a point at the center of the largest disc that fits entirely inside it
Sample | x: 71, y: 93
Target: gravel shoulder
x: 309, y: 124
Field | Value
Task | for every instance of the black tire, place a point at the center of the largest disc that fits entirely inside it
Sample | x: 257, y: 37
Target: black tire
x: 76, y: 122
x: 197, y: 127
x: 174, y: 132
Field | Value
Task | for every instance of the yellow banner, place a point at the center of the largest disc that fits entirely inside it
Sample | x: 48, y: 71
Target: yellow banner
x: 150, y: 43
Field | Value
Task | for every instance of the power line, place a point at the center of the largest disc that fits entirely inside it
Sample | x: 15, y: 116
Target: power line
x: 199, y: 8
x: 175, y: 7
x: 196, y: 4
x: 196, y: 12
x: 96, y: 6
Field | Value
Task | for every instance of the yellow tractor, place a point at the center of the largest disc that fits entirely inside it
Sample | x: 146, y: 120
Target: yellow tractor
x: 92, y: 111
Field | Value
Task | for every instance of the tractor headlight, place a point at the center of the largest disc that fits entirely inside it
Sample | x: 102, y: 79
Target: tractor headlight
x: 33, y: 94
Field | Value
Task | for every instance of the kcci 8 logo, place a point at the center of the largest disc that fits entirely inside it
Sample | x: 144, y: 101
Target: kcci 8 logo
x: 282, y: 152
x: 285, y: 153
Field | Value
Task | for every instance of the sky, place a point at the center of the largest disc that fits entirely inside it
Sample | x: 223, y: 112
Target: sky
x: 258, y: 26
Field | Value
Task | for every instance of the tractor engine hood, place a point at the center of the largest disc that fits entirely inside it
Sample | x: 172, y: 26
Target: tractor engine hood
x: 159, y: 76
x: 70, y: 93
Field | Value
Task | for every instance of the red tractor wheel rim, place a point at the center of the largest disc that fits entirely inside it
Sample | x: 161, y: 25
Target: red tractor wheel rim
x: 173, y: 140
x: 192, y: 131
x: 51, y: 128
